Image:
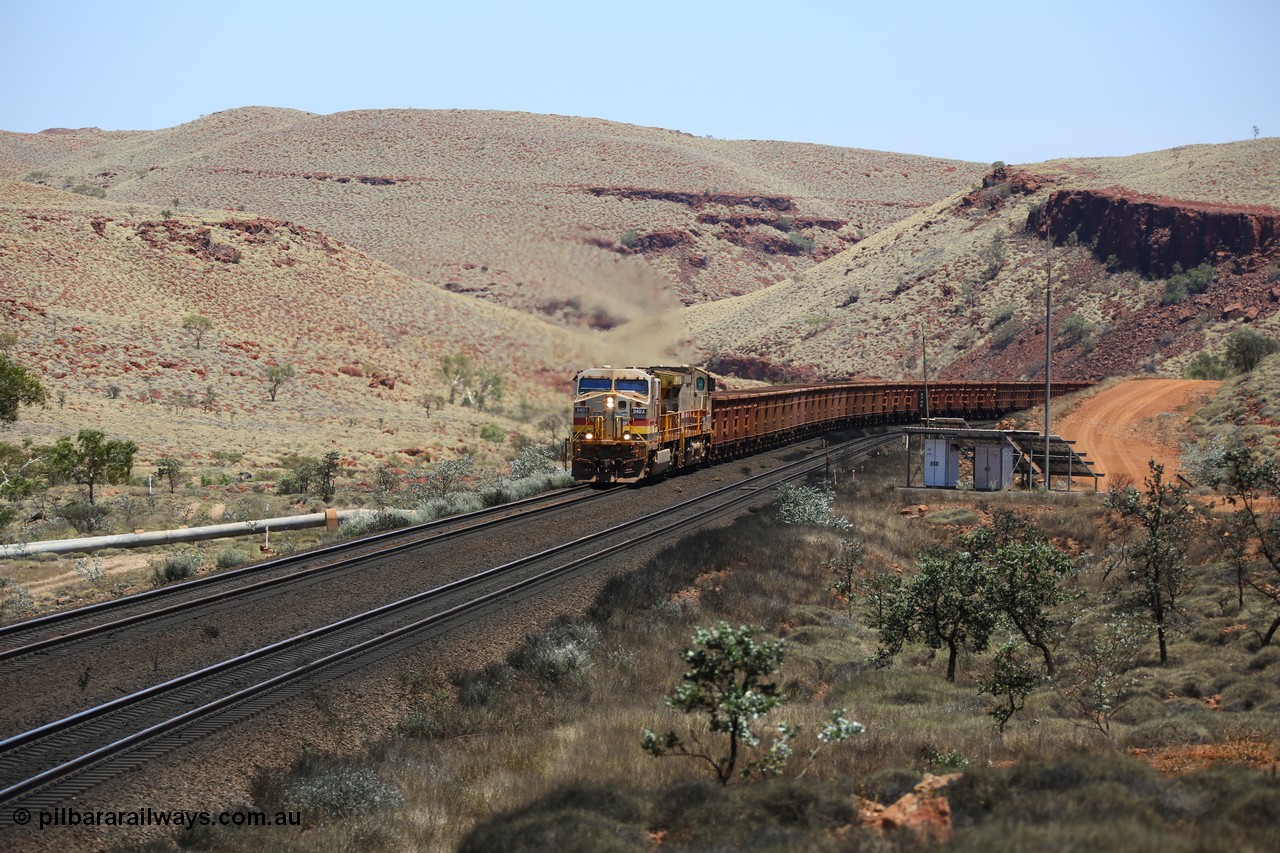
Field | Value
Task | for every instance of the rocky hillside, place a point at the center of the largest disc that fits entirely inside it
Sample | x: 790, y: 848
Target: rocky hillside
x: 1123, y: 237
x: 530, y: 211
x: 96, y: 292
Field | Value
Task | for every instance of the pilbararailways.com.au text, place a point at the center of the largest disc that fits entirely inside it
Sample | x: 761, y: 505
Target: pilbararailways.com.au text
x: 177, y: 818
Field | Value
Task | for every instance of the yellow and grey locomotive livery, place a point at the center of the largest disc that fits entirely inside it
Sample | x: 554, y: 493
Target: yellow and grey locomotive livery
x: 630, y: 423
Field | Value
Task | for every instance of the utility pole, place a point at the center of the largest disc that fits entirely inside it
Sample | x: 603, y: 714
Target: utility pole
x: 1048, y: 351
x: 924, y: 364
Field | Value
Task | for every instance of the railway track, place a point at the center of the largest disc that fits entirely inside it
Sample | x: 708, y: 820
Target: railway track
x: 56, y: 629
x: 46, y: 766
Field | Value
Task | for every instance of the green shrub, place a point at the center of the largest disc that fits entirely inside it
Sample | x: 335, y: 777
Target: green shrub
x: 1181, y: 284
x: 230, y: 557
x: 629, y: 239
x: 560, y: 655
x: 576, y: 819
x: 1251, y: 694
x: 1167, y: 731
x: 85, y: 518
x: 531, y: 461
x: 177, y: 566
x: 1246, y: 348
x: 808, y: 505
x: 89, y: 190
x: 369, y: 523
x: 1006, y: 333
x: 1075, y: 328
x: 343, y: 790
x: 800, y: 242
x: 1142, y: 709
x: 479, y: 688
x: 493, y: 432
x: 1205, y: 366
x: 1003, y: 314
x: 777, y: 814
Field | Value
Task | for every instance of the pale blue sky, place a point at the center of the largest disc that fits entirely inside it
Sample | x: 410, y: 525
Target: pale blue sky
x: 983, y: 81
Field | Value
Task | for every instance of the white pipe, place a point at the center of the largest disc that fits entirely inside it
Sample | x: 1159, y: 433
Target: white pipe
x: 183, y: 534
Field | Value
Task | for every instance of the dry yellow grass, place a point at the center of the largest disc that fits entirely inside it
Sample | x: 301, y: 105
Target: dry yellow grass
x: 95, y: 293
x: 496, y: 203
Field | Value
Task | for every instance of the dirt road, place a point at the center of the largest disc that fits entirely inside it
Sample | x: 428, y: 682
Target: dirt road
x: 1124, y: 426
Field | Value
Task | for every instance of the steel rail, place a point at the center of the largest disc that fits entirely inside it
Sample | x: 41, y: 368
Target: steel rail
x: 452, y: 530
x: 120, y: 745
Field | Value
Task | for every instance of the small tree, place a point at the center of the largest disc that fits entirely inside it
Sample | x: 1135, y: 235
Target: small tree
x: 169, y: 469
x: 456, y: 371
x: 327, y: 475
x: 942, y: 605
x: 1022, y: 579
x: 197, y: 325
x: 1252, y: 539
x: 277, y: 375
x: 727, y: 682
x: 485, y: 387
x: 1009, y: 682
x: 1157, y: 559
x: 845, y: 568
x: 446, y: 477
x: 1246, y: 348
x: 1096, y: 678
x: 809, y: 505
x: 92, y: 459
x: 18, y: 386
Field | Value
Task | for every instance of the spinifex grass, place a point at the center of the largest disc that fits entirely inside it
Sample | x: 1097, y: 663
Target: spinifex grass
x: 546, y: 745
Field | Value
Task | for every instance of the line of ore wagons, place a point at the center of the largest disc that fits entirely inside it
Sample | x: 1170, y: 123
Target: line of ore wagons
x: 742, y: 421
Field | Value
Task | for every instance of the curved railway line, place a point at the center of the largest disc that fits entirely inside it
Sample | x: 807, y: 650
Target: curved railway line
x: 45, y: 766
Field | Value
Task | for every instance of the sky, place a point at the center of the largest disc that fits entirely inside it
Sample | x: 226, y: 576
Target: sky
x: 965, y: 79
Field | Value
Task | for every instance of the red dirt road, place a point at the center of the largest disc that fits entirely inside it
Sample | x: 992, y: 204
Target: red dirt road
x: 1121, y: 428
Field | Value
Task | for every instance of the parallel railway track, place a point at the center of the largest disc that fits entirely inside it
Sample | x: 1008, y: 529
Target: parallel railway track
x: 46, y: 766
x: 56, y: 629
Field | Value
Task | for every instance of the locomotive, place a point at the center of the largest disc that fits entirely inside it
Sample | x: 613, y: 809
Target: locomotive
x: 633, y: 423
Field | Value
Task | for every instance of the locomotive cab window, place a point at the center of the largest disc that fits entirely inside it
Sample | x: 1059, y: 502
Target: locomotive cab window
x: 594, y: 383
x: 638, y: 386
x: 702, y: 383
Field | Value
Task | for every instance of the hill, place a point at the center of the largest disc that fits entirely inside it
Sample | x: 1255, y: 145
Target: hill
x: 972, y: 270
x: 525, y: 210
x: 96, y: 292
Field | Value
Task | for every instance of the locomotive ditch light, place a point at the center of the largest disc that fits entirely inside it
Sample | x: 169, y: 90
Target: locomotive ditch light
x: 588, y: 436
x: 626, y: 436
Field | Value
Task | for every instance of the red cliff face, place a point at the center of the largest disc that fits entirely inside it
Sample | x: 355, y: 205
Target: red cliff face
x: 1151, y: 233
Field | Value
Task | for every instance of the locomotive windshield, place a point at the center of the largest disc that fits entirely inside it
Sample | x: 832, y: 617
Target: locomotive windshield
x: 594, y: 383
x: 639, y: 386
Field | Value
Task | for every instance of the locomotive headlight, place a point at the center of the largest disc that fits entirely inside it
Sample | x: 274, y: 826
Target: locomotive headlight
x: 608, y: 402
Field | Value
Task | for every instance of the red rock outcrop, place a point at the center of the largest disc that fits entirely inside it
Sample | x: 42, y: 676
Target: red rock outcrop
x: 782, y: 204
x: 1000, y: 183
x: 1151, y: 233
x: 924, y: 813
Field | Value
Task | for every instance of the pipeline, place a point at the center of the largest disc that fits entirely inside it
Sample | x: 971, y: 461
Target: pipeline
x: 329, y: 518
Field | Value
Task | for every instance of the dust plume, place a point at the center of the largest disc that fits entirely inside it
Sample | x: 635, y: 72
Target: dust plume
x: 641, y: 321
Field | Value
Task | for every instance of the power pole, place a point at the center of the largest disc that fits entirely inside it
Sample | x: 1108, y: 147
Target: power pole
x: 924, y: 363
x: 1048, y: 351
